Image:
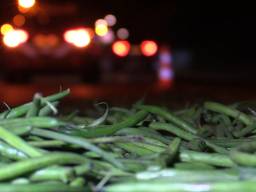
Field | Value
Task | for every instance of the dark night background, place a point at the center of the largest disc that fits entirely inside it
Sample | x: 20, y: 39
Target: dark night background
x: 220, y: 35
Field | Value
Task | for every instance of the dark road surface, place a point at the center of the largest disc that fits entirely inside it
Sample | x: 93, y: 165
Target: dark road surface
x: 124, y: 95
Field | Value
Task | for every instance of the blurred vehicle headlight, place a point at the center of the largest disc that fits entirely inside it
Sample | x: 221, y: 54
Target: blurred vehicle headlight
x: 78, y: 37
x: 15, y: 37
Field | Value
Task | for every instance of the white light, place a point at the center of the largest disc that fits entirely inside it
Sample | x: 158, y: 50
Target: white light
x: 14, y: 38
x: 78, y: 37
x: 26, y: 3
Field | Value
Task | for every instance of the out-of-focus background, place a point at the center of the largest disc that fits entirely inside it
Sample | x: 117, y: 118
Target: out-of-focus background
x: 168, y: 52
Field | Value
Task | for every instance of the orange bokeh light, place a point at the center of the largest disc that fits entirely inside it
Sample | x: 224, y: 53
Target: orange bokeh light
x: 149, y: 48
x: 19, y: 20
x: 121, y: 48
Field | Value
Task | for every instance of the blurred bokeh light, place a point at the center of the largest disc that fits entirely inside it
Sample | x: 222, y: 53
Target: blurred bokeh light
x: 5, y: 28
x: 121, y: 48
x: 149, y: 48
x: 78, y: 37
x: 14, y: 38
x: 19, y: 20
x: 26, y: 3
x: 123, y: 33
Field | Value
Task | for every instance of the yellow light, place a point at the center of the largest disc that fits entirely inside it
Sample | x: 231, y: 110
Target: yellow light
x: 101, y: 30
x: 14, y: 38
x: 27, y: 4
x: 19, y: 20
x: 78, y: 37
x: 5, y: 28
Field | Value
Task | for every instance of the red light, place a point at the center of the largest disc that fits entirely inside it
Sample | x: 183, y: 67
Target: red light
x: 121, y: 48
x: 149, y: 48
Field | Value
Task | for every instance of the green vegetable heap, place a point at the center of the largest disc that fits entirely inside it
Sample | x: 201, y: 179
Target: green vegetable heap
x: 145, y: 149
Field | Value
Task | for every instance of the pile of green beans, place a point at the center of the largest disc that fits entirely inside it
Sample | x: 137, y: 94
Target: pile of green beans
x: 208, y: 147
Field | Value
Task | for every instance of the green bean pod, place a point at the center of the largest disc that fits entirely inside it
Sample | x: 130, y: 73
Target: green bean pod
x: 26, y: 166
x: 169, y: 117
x: 19, y: 143
x: 23, y: 109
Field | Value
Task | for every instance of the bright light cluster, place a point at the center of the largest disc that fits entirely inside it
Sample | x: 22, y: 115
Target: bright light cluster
x: 15, y: 37
x: 78, y: 37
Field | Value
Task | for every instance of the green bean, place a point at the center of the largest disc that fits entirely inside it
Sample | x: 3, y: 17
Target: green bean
x: 47, y: 110
x: 111, y: 129
x: 83, y: 169
x: 20, y: 131
x: 166, y: 186
x: 215, y: 147
x: 10, y: 152
x: 145, y: 132
x: 101, y: 119
x: 169, y: 117
x: 4, y: 114
x: 26, y: 166
x: 219, y: 108
x: 193, y: 166
x: 63, y: 174
x: 174, y: 130
x: 42, y: 122
x: 77, y: 141
x: 245, y: 131
x: 135, y: 149
x: 215, y: 159
x: 113, y: 139
x: 20, y: 181
x: 18, y: 143
x: 35, y: 106
x: 47, y: 144
x: 244, y: 154
x: 40, y: 188
x: 175, y: 176
x: 167, y: 157
x: 23, y: 109
x: 78, y: 182
x: 229, y: 143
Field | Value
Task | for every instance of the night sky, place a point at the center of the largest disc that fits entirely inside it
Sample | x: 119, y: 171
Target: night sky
x: 220, y: 35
